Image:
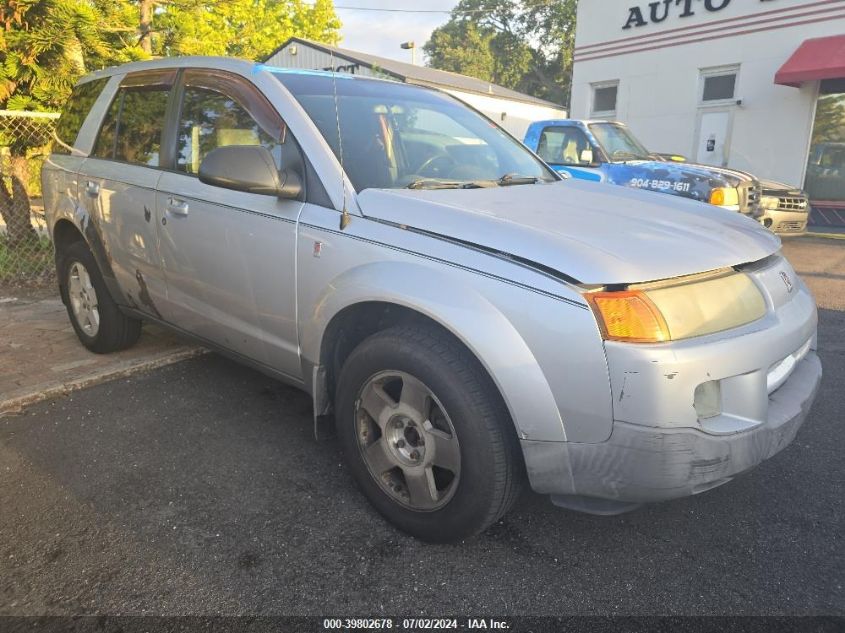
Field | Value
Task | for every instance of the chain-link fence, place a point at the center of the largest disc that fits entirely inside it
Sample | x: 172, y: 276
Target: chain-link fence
x: 26, y: 255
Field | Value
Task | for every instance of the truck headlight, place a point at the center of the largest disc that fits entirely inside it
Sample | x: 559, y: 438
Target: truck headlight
x: 725, y: 197
x: 770, y: 203
x: 675, y: 310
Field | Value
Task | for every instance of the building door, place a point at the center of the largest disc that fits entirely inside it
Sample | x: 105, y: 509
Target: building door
x: 713, y: 138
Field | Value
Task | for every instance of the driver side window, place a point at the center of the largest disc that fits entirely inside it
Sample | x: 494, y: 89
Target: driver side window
x: 216, y: 112
x: 565, y: 146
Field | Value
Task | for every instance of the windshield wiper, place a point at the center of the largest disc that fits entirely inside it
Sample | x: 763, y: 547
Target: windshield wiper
x: 625, y: 157
x: 509, y: 180
x: 428, y: 183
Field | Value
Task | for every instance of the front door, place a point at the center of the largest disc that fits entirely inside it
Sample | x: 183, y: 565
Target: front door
x: 713, y: 144
x: 229, y: 256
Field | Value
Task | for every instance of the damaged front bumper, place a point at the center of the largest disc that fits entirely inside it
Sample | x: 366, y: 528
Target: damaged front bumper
x: 690, y: 415
x: 640, y: 464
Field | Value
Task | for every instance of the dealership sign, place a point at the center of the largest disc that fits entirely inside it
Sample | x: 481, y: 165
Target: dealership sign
x: 656, y: 12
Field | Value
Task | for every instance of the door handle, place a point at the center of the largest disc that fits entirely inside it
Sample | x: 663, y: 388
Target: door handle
x: 92, y: 188
x: 175, y: 206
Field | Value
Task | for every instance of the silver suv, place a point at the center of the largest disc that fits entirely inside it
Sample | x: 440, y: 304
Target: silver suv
x: 462, y: 317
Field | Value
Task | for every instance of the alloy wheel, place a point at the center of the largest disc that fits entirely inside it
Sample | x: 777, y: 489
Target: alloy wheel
x: 83, y: 299
x: 407, y: 441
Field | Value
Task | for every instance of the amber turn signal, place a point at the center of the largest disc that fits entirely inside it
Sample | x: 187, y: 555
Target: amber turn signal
x: 628, y: 316
x: 724, y: 197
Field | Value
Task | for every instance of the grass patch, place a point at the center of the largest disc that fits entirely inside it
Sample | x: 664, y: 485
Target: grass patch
x: 29, y: 264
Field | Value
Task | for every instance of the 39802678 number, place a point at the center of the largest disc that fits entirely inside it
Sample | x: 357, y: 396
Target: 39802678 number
x: 357, y: 623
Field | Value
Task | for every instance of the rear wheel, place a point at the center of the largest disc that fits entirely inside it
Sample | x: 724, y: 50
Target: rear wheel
x: 96, y: 318
x: 426, y: 434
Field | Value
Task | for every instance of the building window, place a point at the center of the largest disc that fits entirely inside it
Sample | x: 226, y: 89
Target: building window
x: 604, y: 99
x: 825, y: 179
x: 718, y: 85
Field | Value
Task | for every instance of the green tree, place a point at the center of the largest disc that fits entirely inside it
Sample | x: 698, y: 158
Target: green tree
x: 249, y: 29
x: 45, y: 46
x: 526, y: 45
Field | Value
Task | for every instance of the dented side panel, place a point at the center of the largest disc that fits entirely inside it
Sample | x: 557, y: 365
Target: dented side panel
x: 537, y: 339
x: 119, y: 223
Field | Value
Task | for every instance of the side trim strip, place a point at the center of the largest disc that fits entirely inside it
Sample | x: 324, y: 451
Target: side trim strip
x: 225, y: 351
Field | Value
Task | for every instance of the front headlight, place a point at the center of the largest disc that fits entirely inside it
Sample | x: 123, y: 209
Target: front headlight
x: 662, y: 312
x: 725, y: 197
x: 770, y: 203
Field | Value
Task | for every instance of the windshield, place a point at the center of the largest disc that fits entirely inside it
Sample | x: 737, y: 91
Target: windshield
x: 618, y: 143
x: 396, y: 136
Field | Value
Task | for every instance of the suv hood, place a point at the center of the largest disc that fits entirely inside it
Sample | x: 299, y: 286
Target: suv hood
x: 591, y: 232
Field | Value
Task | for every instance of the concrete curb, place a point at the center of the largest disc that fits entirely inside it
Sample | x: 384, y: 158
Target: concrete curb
x: 828, y: 236
x: 16, y: 404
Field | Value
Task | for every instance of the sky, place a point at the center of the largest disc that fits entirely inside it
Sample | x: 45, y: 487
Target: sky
x: 381, y: 33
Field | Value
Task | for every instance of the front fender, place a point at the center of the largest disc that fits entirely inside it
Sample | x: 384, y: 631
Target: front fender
x: 461, y: 309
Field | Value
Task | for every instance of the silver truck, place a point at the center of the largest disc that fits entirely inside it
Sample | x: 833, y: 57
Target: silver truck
x: 463, y: 318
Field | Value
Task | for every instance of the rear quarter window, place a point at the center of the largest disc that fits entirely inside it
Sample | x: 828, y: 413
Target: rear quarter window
x: 75, y: 112
x: 132, y: 128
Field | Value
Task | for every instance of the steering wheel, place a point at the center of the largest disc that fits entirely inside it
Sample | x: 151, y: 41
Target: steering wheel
x: 432, y: 164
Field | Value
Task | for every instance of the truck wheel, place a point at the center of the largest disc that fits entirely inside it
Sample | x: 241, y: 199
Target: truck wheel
x: 426, y: 434
x: 98, y: 321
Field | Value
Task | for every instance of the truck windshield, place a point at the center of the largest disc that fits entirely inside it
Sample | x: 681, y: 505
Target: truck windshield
x: 393, y: 135
x: 618, y: 143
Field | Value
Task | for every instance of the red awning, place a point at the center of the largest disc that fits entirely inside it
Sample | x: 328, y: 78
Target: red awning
x: 818, y: 58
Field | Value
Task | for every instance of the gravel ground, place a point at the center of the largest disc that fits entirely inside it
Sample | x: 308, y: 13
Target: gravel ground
x: 198, y: 489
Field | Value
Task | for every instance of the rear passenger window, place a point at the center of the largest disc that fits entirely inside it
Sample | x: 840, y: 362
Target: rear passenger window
x: 132, y: 128
x: 74, y: 114
x: 217, y: 111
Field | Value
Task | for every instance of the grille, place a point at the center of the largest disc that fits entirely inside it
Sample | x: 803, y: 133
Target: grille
x: 792, y: 203
x: 793, y: 226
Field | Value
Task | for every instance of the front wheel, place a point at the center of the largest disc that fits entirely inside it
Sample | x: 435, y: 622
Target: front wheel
x: 426, y: 434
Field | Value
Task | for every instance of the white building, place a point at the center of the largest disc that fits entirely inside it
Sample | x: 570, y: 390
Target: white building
x: 511, y: 109
x: 724, y: 82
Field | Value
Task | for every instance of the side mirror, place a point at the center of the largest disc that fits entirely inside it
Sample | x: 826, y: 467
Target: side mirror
x: 248, y: 168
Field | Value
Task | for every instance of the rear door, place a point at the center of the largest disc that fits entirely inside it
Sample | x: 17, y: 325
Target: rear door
x: 229, y: 256
x: 116, y: 185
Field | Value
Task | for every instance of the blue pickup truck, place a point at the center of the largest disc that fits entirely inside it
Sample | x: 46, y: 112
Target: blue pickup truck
x: 607, y: 151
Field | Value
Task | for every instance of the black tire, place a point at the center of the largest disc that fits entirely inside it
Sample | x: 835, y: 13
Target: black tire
x: 491, y: 467
x: 115, y: 330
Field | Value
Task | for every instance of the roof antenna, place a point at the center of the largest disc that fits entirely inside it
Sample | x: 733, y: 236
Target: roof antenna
x: 344, y: 214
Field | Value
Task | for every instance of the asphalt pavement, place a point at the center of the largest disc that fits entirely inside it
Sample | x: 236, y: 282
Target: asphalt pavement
x: 199, y: 489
